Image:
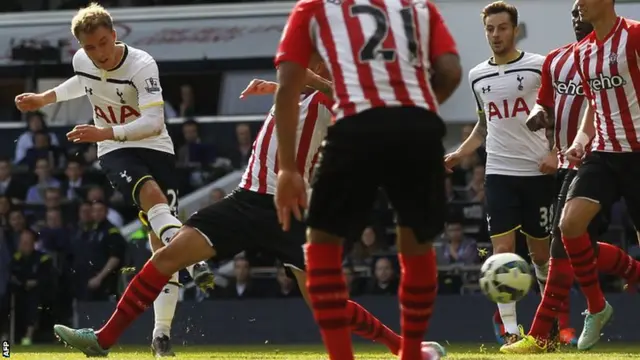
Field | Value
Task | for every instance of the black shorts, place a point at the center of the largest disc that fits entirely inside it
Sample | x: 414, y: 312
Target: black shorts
x: 396, y: 148
x: 605, y: 177
x: 246, y: 220
x: 597, y: 227
x: 129, y: 168
x: 519, y: 202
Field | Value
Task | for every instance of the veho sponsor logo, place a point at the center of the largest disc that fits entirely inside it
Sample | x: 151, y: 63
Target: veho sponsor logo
x: 604, y: 82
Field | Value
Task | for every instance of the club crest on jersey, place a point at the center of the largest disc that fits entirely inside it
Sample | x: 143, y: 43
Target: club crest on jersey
x: 520, y: 79
x: 120, y: 95
x: 613, y: 58
x: 486, y: 89
x: 152, y: 85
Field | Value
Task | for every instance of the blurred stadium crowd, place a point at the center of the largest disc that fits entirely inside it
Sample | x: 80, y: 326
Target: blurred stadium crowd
x: 60, y: 221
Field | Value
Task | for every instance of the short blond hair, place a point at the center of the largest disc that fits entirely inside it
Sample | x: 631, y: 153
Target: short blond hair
x: 90, y: 18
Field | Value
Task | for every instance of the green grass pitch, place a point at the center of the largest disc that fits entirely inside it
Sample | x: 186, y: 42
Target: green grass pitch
x: 315, y: 352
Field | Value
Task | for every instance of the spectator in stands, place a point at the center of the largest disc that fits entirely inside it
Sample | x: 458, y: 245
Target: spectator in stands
x: 187, y: 101
x: 456, y: 247
x: 31, y: 277
x: 90, y: 155
x: 475, y: 189
x: 72, y: 187
x: 385, y: 281
x: 5, y: 209
x: 353, y: 282
x: 35, y: 123
x: 287, y: 287
x: 54, y: 236
x: 42, y: 148
x: 10, y: 187
x: 96, y: 193
x: 201, y: 157
x: 370, y: 245
x: 217, y: 194
x: 98, y: 258
x: 240, y: 287
x: 17, y: 224
x: 35, y: 194
x: 239, y: 156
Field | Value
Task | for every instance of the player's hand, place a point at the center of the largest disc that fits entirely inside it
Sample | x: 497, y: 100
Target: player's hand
x: 30, y: 102
x: 291, y: 197
x: 575, y: 154
x: 259, y: 87
x: 89, y: 134
x: 549, y: 164
x: 451, y: 160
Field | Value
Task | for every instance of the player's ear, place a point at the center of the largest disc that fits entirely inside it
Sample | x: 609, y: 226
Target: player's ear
x: 114, y: 34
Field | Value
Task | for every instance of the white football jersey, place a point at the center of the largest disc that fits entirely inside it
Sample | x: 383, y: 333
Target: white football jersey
x: 118, y: 96
x: 506, y: 94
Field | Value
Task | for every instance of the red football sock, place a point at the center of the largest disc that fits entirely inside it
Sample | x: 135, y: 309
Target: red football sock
x: 328, y: 293
x: 563, y: 312
x: 418, y: 289
x: 139, y: 295
x: 580, y: 251
x: 364, y: 324
x: 614, y: 261
x: 555, y: 296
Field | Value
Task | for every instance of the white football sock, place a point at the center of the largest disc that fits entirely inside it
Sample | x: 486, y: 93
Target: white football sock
x: 163, y: 223
x: 164, y: 308
x: 542, y: 271
x: 509, y: 319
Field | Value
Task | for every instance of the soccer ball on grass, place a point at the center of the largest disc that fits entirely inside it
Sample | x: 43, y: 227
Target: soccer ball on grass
x: 505, y: 278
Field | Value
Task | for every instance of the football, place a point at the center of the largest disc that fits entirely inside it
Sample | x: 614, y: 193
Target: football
x: 505, y: 278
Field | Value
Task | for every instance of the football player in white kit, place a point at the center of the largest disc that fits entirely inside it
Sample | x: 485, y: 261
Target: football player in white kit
x: 134, y: 148
x: 519, y: 184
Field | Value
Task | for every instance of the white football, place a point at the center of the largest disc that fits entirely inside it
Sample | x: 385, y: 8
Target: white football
x: 505, y: 278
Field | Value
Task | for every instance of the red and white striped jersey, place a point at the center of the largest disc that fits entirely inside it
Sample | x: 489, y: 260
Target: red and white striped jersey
x: 561, y: 90
x: 611, y: 77
x: 261, y: 174
x: 379, y: 52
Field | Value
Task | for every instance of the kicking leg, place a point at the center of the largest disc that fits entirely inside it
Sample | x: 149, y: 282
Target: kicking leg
x: 188, y: 247
x: 160, y: 218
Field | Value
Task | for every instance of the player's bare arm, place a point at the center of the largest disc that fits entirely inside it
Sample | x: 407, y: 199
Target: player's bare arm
x: 319, y: 83
x: 446, y: 77
x: 291, y: 188
x: 471, y: 144
x: 265, y: 87
x: 587, y: 131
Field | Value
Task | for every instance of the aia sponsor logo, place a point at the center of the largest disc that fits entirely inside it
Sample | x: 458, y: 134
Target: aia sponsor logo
x: 568, y: 88
x: 604, y: 82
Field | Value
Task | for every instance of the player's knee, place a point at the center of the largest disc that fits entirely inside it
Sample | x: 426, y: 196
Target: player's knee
x: 571, y: 223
